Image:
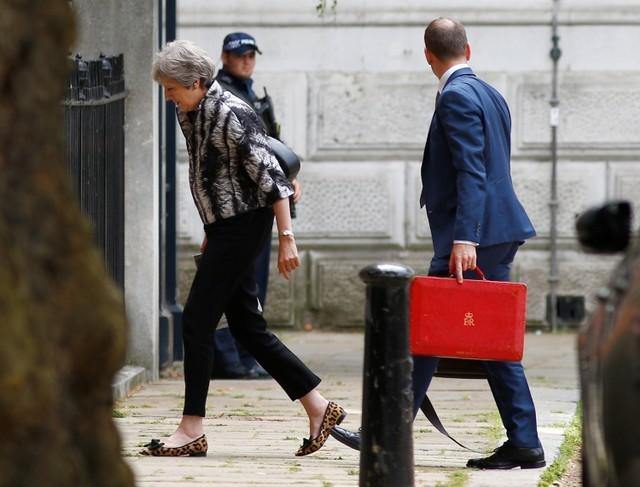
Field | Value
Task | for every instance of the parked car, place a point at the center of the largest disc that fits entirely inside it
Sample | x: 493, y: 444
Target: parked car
x: 609, y: 355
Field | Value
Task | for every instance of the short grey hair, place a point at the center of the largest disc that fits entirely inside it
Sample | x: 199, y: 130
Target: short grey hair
x: 183, y: 62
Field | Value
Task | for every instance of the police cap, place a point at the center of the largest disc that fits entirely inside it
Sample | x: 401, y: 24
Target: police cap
x: 239, y: 43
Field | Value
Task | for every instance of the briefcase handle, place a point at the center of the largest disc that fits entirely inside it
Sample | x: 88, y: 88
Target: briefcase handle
x: 478, y: 271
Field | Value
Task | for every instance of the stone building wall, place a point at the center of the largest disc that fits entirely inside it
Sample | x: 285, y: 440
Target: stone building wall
x: 130, y: 28
x: 354, y: 96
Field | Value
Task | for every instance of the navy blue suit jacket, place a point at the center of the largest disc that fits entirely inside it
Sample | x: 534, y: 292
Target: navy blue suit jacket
x: 466, y: 174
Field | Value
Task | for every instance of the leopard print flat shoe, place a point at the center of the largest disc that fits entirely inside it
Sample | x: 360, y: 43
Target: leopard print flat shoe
x: 333, y: 415
x: 196, y: 448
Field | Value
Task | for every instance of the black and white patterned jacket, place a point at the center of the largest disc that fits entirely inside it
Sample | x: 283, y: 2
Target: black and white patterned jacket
x: 232, y: 169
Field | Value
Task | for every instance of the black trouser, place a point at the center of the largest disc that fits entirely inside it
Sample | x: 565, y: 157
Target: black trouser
x: 225, y: 283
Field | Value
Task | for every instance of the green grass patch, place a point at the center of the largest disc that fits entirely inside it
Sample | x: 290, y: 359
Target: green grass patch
x: 325, y: 483
x: 239, y: 412
x: 118, y: 413
x: 570, y: 444
x: 495, y: 431
x: 459, y: 478
x: 539, y: 380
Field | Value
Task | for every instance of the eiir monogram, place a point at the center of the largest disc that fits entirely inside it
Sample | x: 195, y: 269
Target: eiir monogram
x: 468, y: 319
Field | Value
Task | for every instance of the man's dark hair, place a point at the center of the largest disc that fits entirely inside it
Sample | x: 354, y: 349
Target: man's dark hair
x: 445, y: 38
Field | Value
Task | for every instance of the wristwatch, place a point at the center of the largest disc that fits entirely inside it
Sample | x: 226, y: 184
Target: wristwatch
x: 286, y: 233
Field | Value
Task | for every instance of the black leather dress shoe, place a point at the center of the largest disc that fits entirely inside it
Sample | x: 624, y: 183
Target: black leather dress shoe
x: 230, y: 371
x: 257, y: 372
x: 346, y: 437
x: 508, y: 456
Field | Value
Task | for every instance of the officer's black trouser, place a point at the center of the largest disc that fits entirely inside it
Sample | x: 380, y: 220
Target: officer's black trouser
x: 225, y: 283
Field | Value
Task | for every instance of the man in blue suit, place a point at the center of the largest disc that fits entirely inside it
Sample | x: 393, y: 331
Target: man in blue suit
x: 475, y: 218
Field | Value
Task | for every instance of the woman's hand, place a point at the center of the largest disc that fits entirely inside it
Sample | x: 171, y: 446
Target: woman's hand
x: 288, y: 259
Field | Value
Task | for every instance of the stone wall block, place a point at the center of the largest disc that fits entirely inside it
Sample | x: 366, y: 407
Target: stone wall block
x: 596, y: 114
x: 346, y: 203
x: 580, y: 186
x: 285, y: 297
x: 337, y: 292
x: 580, y: 275
x: 379, y: 113
x: 337, y: 295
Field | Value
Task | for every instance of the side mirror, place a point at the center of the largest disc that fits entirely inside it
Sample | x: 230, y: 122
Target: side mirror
x: 606, y: 229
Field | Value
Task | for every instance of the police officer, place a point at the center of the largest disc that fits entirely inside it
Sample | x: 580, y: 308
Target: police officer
x: 238, y: 62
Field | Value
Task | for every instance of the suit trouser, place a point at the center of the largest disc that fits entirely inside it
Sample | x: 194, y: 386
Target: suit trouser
x: 506, y: 379
x: 227, y: 350
x: 225, y: 283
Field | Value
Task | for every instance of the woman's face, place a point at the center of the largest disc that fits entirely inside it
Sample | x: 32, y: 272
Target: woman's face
x: 186, y: 98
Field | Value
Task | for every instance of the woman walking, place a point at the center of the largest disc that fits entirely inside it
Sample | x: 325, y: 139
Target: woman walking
x: 237, y: 186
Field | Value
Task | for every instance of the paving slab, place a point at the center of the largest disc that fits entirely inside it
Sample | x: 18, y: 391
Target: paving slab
x: 254, y: 430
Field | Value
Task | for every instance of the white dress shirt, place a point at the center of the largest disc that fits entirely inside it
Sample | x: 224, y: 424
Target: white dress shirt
x: 447, y: 74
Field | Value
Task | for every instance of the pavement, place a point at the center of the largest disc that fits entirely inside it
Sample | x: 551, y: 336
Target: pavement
x: 253, y: 429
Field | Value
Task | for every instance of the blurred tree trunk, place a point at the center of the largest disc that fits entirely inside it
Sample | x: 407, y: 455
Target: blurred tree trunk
x: 62, y: 327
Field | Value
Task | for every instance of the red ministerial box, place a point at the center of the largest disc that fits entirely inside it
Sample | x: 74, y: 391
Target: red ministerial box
x: 478, y: 319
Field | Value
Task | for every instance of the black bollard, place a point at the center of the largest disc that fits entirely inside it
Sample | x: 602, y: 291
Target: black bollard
x: 386, y: 453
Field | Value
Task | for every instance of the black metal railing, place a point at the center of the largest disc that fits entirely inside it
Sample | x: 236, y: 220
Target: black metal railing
x: 94, y: 136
